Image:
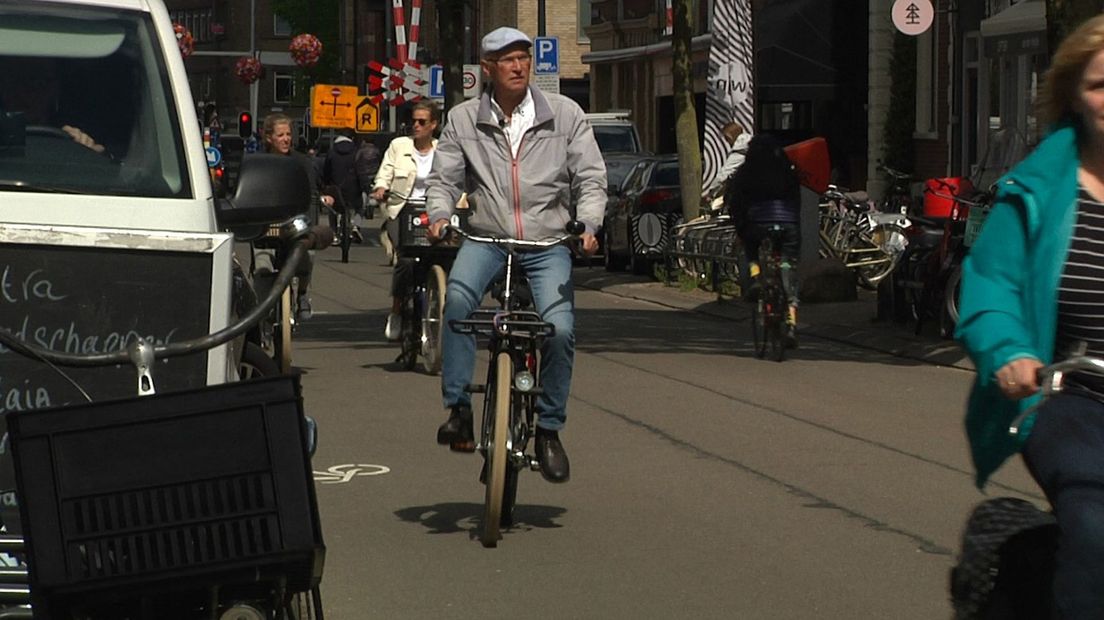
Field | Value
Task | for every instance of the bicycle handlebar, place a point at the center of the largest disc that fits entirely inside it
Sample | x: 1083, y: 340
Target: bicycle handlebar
x: 958, y: 199
x: 316, y: 238
x: 574, y: 229
x: 1050, y: 382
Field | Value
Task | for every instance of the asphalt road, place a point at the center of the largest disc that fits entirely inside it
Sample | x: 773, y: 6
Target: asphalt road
x: 705, y: 483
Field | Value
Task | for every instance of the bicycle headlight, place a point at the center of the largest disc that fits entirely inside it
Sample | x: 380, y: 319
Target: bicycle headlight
x: 524, y: 381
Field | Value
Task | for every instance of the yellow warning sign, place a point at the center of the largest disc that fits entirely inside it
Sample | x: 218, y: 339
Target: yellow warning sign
x: 333, y: 106
x: 367, y: 116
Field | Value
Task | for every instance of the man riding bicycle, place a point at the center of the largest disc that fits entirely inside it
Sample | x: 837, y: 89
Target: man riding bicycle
x: 522, y: 156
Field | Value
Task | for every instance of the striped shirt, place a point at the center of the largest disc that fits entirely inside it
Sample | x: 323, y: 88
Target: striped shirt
x: 1081, y: 296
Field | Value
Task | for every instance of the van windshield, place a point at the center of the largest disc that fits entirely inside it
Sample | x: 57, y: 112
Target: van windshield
x: 85, y: 106
x: 615, y: 138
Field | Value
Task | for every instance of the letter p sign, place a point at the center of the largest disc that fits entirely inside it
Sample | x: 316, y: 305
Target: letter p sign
x: 547, y: 52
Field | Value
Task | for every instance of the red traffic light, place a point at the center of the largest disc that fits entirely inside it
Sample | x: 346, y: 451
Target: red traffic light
x: 245, y: 124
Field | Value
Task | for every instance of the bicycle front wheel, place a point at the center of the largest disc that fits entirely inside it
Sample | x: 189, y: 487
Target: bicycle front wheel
x: 433, y: 320
x: 284, y: 345
x: 498, y: 448
x: 890, y: 240
x: 409, y: 332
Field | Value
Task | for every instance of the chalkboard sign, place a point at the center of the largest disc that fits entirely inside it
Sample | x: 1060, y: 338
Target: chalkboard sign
x: 96, y: 297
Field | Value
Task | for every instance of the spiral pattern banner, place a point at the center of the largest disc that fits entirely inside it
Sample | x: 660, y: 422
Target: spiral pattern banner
x: 730, y: 96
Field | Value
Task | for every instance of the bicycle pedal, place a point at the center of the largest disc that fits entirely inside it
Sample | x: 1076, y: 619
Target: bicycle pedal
x: 534, y: 464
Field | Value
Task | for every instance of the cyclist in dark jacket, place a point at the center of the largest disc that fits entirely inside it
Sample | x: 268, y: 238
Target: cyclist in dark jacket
x: 765, y: 192
x: 339, y: 171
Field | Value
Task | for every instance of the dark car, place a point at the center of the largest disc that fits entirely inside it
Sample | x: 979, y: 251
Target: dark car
x: 641, y: 213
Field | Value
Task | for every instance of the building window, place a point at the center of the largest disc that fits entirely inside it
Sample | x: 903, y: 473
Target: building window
x: 197, y: 21
x: 283, y: 85
x: 280, y: 26
x: 582, y: 21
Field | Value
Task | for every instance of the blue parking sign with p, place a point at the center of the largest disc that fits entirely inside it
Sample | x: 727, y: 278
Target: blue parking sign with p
x: 547, y: 54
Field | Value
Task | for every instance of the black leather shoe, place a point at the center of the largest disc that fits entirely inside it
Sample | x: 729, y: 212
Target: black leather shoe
x: 554, y: 465
x: 456, y: 432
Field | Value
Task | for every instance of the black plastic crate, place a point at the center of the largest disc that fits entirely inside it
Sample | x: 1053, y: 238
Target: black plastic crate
x: 413, y: 223
x: 189, y: 488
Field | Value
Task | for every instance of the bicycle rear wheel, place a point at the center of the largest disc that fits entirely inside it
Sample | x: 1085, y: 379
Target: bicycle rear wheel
x: 433, y: 320
x: 774, y: 331
x: 758, y: 327
x: 346, y: 236
x: 497, y: 453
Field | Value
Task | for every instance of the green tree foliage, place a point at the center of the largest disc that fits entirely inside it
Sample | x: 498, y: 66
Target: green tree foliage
x: 322, y: 19
x: 901, y: 119
x: 686, y: 117
x: 1063, y: 16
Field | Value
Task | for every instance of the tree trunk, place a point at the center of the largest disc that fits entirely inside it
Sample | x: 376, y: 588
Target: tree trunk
x: 1064, y: 16
x: 450, y: 21
x: 686, y: 119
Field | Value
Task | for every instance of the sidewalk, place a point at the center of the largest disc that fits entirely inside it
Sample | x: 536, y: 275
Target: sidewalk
x: 846, y: 322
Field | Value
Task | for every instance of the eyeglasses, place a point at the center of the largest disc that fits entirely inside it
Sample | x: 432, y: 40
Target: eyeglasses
x: 509, y: 61
x: 422, y: 121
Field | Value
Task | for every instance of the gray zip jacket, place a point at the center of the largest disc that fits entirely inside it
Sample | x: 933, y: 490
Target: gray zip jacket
x: 530, y: 197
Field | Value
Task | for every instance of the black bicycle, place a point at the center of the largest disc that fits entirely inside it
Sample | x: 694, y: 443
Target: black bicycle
x: 513, y: 381
x: 423, y: 301
x: 770, y: 308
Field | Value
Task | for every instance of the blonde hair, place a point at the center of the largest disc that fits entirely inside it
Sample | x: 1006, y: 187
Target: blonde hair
x: 270, y: 122
x: 1062, y: 82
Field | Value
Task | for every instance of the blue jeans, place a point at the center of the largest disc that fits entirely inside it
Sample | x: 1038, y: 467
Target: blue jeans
x: 549, y: 274
x: 1065, y: 454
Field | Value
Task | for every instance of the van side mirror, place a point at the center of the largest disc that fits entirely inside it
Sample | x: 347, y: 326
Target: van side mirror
x: 270, y: 189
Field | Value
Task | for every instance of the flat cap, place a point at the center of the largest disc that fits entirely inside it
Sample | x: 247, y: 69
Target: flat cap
x: 501, y: 38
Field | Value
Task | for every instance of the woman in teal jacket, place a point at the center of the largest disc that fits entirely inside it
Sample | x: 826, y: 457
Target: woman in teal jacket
x: 1016, y: 316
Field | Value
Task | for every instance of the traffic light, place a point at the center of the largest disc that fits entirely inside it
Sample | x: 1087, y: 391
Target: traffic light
x: 245, y: 124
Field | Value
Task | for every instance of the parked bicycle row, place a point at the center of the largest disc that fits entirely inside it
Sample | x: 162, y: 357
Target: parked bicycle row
x: 910, y: 249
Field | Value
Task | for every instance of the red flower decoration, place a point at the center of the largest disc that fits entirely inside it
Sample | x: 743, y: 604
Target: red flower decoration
x: 184, y: 40
x: 305, y: 50
x: 248, y: 69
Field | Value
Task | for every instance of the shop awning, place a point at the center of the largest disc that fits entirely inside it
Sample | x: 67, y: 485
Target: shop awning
x: 700, y: 42
x: 1029, y: 16
x: 1019, y: 29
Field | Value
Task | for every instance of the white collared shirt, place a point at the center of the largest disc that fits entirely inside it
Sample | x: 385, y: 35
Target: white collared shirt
x: 518, y: 123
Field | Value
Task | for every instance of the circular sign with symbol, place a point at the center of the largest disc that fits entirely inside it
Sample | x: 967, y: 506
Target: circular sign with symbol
x: 469, y: 79
x: 214, y: 156
x: 913, y: 17
x: 336, y: 92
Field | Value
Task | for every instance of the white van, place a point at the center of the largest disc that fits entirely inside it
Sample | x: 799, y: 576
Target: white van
x: 109, y: 228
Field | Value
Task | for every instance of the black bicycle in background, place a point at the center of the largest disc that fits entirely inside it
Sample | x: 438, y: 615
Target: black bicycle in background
x: 770, y: 307
x: 515, y: 335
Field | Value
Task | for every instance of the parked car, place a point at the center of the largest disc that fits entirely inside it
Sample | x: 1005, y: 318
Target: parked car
x: 614, y: 132
x: 641, y: 213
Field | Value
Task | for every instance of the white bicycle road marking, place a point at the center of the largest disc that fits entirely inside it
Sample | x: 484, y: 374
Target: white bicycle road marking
x: 340, y: 474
